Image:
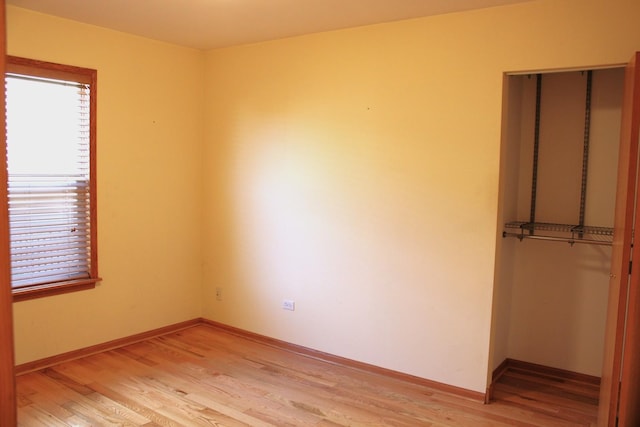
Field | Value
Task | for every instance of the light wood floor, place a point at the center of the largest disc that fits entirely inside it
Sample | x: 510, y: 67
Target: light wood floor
x: 203, y: 376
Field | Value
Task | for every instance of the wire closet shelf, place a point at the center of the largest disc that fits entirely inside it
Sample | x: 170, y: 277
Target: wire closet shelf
x: 570, y: 233
x: 559, y: 232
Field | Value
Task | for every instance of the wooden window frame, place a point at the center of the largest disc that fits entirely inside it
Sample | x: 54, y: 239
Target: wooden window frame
x: 32, y: 67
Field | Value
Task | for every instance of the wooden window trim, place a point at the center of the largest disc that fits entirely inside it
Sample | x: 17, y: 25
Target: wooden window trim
x: 50, y: 289
x: 19, y: 65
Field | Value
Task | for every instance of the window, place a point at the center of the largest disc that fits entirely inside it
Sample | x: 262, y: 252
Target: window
x: 51, y: 140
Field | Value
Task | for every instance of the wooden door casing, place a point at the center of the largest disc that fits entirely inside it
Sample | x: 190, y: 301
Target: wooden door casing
x: 611, y: 393
x: 7, y: 377
x: 629, y: 407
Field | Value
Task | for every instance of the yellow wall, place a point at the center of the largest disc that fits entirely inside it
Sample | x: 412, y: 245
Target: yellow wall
x: 149, y: 182
x: 356, y: 172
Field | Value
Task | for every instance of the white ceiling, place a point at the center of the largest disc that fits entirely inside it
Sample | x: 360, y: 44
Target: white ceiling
x: 207, y: 24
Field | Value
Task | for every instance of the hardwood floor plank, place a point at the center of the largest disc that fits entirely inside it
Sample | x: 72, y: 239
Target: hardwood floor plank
x: 49, y: 396
x: 116, y: 409
x: 584, y: 392
x: 206, y: 376
x: 146, y: 411
x: 569, y: 400
x: 238, y: 416
x: 547, y: 396
x: 35, y: 416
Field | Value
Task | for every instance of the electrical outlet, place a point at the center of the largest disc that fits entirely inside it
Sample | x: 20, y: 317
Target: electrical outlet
x: 289, y: 305
x: 219, y: 294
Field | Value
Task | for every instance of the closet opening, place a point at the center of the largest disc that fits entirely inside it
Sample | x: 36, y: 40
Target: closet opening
x: 558, y: 177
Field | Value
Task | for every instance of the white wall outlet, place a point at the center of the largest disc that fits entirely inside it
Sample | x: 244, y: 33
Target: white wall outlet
x: 289, y: 304
x: 219, y: 293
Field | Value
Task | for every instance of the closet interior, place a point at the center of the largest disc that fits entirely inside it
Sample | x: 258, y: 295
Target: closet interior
x: 559, y: 160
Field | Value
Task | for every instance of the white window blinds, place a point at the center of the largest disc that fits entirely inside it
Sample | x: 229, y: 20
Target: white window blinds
x: 48, y: 167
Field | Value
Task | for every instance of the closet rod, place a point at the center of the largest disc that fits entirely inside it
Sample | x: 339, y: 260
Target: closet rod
x: 556, y: 239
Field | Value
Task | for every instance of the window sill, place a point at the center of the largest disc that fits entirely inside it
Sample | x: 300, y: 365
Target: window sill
x: 50, y: 289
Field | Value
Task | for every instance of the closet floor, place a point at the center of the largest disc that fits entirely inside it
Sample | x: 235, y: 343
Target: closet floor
x: 570, y: 400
